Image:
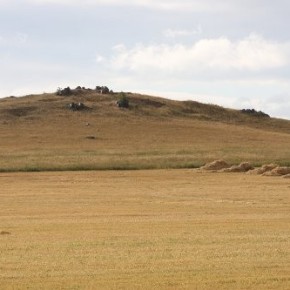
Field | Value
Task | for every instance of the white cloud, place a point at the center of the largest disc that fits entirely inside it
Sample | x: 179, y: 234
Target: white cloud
x: 238, y: 74
x: 223, y: 6
x: 213, y: 56
x: 173, y: 5
x: 100, y: 58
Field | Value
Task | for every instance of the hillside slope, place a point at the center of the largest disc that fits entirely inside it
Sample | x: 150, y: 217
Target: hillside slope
x: 40, y: 132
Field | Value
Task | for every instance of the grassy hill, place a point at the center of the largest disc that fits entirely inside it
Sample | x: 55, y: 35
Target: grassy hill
x: 40, y: 132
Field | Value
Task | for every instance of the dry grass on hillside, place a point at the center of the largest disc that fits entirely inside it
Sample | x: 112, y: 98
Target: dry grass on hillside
x: 41, y: 133
x: 174, y: 229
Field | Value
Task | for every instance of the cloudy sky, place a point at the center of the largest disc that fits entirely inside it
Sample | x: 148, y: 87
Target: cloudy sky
x: 234, y: 53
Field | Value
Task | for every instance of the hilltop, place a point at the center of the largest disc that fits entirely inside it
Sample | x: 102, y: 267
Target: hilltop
x: 46, y: 132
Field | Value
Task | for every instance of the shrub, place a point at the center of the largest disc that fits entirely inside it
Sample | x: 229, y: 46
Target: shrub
x: 253, y: 112
x: 76, y: 106
x: 123, y: 101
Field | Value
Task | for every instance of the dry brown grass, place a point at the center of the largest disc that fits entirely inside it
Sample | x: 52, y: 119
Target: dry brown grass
x: 169, y: 229
x: 40, y: 133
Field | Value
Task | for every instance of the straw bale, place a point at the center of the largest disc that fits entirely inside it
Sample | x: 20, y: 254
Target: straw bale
x: 263, y: 169
x: 278, y: 171
x: 243, y: 167
x: 216, y: 165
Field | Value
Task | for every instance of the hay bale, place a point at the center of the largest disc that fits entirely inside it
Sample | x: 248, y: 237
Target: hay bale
x: 269, y: 167
x: 234, y: 168
x: 255, y: 171
x: 278, y: 171
x: 243, y: 167
x: 216, y: 165
x: 246, y: 166
x: 263, y: 169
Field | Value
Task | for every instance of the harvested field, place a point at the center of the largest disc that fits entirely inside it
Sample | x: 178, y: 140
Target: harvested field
x: 161, y: 229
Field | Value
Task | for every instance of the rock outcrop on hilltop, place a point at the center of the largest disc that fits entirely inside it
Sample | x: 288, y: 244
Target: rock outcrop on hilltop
x: 103, y: 89
x: 68, y: 91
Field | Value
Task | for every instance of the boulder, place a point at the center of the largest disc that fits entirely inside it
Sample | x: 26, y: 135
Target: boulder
x: 76, y: 106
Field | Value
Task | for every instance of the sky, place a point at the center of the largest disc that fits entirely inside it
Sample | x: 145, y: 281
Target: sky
x: 234, y: 53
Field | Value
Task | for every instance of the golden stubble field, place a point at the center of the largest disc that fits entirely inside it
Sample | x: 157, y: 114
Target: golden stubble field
x: 154, y: 229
